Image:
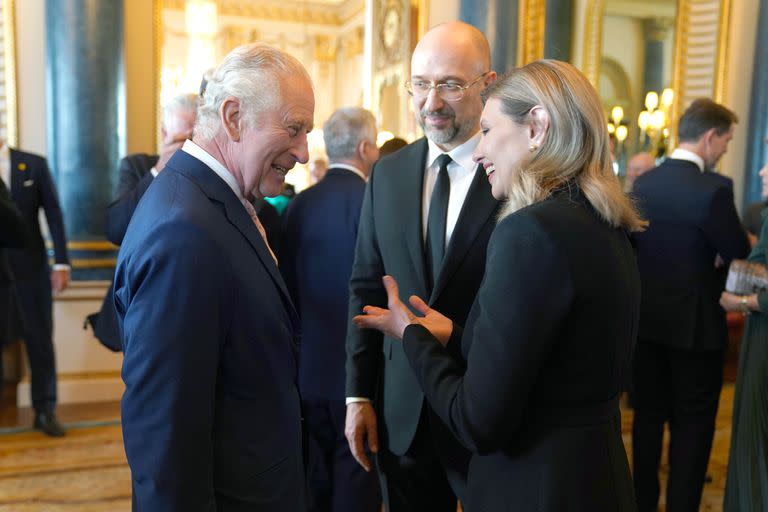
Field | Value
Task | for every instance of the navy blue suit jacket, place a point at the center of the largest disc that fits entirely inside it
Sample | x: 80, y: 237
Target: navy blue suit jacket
x: 318, y: 252
x: 692, y: 220
x: 210, y: 414
x: 133, y: 180
x: 32, y: 188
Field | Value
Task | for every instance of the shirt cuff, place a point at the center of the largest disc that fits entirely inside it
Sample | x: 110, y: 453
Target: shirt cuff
x: 154, y: 172
x: 62, y: 266
x: 357, y: 399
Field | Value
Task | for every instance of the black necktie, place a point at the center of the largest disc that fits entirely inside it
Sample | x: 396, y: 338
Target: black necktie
x: 436, y: 220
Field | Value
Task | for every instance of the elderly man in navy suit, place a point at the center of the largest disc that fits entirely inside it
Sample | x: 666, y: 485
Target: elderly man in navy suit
x: 211, y: 410
x: 31, y: 186
x: 319, y: 247
x: 693, y: 235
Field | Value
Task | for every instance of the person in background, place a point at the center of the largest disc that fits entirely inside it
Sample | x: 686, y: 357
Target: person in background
x: 136, y: 173
x: 638, y: 165
x: 211, y: 412
x: 316, y: 261
x: 694, y: 234
x: 31, y: 187
x: 753, y: 215
x: 13, y: 233
x: 531, y: 383
x: 746, y: 487
x: 426, y: 219
x: 317, y: 169
x: 391, y: 146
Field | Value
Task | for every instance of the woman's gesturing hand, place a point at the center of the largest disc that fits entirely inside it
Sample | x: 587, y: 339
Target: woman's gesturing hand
x: 394, y: 320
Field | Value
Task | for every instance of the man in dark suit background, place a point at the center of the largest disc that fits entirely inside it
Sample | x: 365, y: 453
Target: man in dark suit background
x: 136, y: 173
x: 211, y: 410
x: 426, y: 219
x: 316, y: 261
x: 683, y: 256
x: 13, y: 233
x: 31, y: 187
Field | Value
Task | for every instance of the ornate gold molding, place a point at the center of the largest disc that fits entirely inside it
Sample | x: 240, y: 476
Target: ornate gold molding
x: 700, y: 63
x: 530, y: 32
x: 286, y: 10
x: 593, y: 40
x: 9, y: 53
x: 157, y: 41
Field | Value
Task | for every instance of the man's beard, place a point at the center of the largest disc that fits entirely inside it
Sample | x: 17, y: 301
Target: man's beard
x: 439, y: 136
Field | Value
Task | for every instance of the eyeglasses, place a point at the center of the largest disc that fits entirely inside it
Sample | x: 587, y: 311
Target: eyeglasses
x: 447, y: 91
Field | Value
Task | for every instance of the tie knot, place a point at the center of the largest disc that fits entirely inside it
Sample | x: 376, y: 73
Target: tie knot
x: 443, y: 161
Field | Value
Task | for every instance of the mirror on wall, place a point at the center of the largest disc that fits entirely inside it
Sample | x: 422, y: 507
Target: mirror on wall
x: 356, y: 51
x: 636, y: 74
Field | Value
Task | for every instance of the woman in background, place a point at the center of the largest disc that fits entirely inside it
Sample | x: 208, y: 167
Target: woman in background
x: 746, y: 487
x: 531, y: 384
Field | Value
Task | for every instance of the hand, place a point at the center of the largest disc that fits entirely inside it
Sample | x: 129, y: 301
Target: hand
x: 733, y: 302
x: 394, y: 320
x: 169, y: 147
x: 359, y: 425
x: 59, y: 281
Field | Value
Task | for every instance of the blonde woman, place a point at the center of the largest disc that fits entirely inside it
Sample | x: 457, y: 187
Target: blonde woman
x: 531, y: 384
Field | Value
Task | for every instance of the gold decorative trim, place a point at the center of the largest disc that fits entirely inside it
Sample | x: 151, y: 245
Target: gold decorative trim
x: 530, y: 32
x: 93, y: 263
x: 593, y: 40
x: 700, y: 62
x: 721, y: 66
x: 113, y: 374
x: 422, y: 23
x: 87, y: 245
x: 9, y: 49
x: 274, y: 11
x: 157, y: 41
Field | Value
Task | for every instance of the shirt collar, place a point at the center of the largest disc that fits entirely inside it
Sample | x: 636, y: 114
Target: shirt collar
x: 690, y: 156
x: 347, y: 167
x: 462, y: 154
x: 216, y: 166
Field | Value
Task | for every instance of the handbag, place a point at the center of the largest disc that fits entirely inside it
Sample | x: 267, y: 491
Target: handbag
x: 746, y: 277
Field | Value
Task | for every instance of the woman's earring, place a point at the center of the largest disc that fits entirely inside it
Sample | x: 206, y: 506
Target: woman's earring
x: 533, y: 147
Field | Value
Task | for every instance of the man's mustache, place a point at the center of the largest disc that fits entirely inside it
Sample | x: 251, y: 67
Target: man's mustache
x: 443, y: 112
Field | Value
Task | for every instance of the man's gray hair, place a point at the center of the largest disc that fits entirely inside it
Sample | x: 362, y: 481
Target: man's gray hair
x: 179, y: 103
x: 344, y: 131
x: 251, y: 73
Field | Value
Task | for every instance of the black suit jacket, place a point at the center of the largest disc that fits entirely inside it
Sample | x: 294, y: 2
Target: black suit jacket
x: 546, y: 347
x: 692, y: 220
x: 319, y: 248
x: 390, y: 242
x: 13, y: 233
x: 32, y: 188
x: 133, y: 180
x: 210, y: 413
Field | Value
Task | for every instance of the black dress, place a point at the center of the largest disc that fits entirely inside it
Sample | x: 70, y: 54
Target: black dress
x: 546, y: 348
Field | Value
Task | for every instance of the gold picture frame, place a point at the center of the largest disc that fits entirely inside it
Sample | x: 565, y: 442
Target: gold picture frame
x: 10, y: 118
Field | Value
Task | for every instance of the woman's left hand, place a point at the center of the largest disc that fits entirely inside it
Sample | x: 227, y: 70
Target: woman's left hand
x: 394, y: 320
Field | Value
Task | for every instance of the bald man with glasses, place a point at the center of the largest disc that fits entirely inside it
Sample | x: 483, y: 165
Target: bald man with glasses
x: 426, y: 219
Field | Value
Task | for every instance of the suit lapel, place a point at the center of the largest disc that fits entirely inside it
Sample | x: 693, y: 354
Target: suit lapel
x: 235, y: 212
x: 478, y: 206
x: 413, y: 192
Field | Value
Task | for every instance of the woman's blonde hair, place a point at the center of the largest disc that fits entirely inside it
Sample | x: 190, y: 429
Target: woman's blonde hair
x: 575, y: 148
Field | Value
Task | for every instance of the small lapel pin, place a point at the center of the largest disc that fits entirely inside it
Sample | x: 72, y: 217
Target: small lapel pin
x: 22, y: 166
x: 29, y: 183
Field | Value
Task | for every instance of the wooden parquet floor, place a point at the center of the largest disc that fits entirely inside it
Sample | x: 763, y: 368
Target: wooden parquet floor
x: 86, y: 471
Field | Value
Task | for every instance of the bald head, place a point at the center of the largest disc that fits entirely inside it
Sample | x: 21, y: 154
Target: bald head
x: 451, y: 54
x: 638, y: 165
x: 458, y: 42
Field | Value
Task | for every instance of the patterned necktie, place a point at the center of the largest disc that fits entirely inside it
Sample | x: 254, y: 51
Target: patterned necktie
x: 255, y: 218
x: 436, y: 220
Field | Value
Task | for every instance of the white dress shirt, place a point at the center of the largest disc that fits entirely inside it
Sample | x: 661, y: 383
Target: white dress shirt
x: 461, y: 172
x: 690, y: 156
